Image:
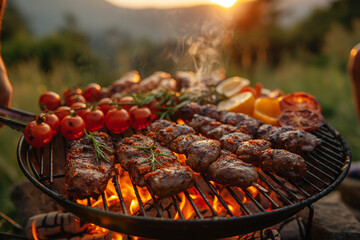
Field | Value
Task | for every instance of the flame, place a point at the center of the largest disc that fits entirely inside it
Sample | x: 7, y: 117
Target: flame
x: 33, y: 230
x: 133, y: 206
x: 225, y: 3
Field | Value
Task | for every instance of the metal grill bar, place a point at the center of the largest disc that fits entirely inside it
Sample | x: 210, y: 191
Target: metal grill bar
x: 42, y: 163
x: 268, y: 198
x: 305, y: 193
x: 119, y: 193
x: 198, y: 213
x: 284, y: 187
x: 221, y: 200
x: 104, y: 201
x: 311, y: 184
x: 156, y: 204
x: 324, y: 159
x: 317, y: 178
x: 275, y: 190
x: 177, y: 207
x: 205, y: 199
x: 139, y: 199
x: 322, y: 164
x: 51, y: 170
x: 243, y: 207
x: 319, y: 170
x: 258, y: 205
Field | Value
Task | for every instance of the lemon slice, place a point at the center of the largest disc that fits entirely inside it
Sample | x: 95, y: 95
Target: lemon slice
x: 241, y: 103
x: 231, y: 86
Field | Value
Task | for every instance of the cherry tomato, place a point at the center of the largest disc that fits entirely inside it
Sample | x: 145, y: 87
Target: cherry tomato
x: 92, y: 92
x: 49, y: 101
x: 79, y: 112
x: 104, y: 107
x: 117, y: 120
x: 154, y: 109
x: 71, y: 91
x: 139, y: 117
x: 62, y: 112
x: 53, y: 121
x: 72, y: 127
x: 301, y: 119
x: 94, y: 120
x: 300, y: 100
x: 38, y: 134
x: 126, y: 99
x: 74, y: 99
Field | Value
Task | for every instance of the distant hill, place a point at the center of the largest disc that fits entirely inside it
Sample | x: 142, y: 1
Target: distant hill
x: 95, y: 17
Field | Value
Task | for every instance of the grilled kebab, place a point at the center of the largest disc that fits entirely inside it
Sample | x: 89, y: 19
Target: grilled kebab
x: 154, y: 166
x: 85, y: 174
x: 249, y: 150
x: 207, y: 117
x: 203, y: 155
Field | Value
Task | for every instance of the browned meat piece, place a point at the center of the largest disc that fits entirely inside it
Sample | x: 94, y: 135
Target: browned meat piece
x: 210, y: 127
x: 231, y: 171
x: 167, y: 181
x: 187, y: 112
x: 85, y: 175
x: 250, y: 151
x: 166, y: 135
x: 211, y: 111
x: 183, y: 79
x: 296, y: 141
x: 243, y: 122
x: 232, y: 141
x: 283, y: 163
x: 182, y: 143
x: 153, y: 129
x: 202, y: 153
x: 158, y: 176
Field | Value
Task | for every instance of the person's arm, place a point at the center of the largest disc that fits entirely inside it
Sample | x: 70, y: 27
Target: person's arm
x: 5, y: 85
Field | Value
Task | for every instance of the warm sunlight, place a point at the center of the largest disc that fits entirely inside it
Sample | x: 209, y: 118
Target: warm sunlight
x: 225, y: 3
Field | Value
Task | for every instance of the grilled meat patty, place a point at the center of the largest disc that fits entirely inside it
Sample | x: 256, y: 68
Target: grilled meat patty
x: 231, y: 171
x: 232, y: 141
x: 86, y: 176
x: 161, y: 173
x: 283, y: 163
x: 296, y: 141
x: 250, y: 151
x: 182, y: 143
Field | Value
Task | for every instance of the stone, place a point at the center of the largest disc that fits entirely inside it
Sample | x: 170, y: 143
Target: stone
x: 350, y: 192
x: 333, y: 220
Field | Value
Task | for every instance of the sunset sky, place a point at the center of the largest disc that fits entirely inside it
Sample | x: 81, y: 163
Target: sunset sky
x: 169, y: 3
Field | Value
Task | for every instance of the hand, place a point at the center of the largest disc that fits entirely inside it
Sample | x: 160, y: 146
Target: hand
x: 6, y: 89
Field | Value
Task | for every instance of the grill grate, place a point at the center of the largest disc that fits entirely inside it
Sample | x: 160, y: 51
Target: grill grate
x: 326, y: 167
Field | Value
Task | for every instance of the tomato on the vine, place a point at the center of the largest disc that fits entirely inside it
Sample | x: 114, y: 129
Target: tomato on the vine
x: 49, y: 101
x: 139, y: 117
x: 80, y: 108
x: 62, y: 112
x: 37, y: 133
x: 300, y: 100
x: 153, y: 106
x: 70, y: 92
x: 126, y: 99
x: 105, y: 105
x: 301, y: 119
x: 74, y: 99
x: 92, y: 92
x: 72, y: 127
x: 94, y: 120
x: 53, y: 121
x: 117, y: 120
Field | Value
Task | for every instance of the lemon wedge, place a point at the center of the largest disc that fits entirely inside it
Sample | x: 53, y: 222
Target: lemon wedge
x: 241, y: 103
x: 231, y: 86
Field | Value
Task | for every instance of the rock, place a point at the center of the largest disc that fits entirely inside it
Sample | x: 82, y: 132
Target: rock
x: 333, y: 220
x: 30, y: 201
x: 350, y: 192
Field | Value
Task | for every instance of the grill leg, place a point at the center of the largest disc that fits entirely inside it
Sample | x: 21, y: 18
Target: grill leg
x: 309, y: 222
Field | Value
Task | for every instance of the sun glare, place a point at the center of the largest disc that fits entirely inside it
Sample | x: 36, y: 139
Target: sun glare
x: 225, y: 3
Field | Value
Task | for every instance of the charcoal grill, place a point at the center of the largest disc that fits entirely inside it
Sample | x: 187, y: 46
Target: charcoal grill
x: 326, y: 168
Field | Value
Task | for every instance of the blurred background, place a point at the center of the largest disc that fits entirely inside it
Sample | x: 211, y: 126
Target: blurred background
x: 292, y: 45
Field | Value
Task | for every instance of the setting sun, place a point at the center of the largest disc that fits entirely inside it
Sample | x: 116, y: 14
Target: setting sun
x: 225, y: 3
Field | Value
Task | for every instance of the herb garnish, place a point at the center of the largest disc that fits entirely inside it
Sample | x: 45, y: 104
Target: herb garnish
x: 97, y: 147
x: 152, y: 155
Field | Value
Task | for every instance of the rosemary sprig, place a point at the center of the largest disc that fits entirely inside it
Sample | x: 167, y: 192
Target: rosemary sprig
x: 152, y: 155
x: 99, y: 153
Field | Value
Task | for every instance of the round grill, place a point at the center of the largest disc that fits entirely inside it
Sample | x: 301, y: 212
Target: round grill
x: 242, y: 210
